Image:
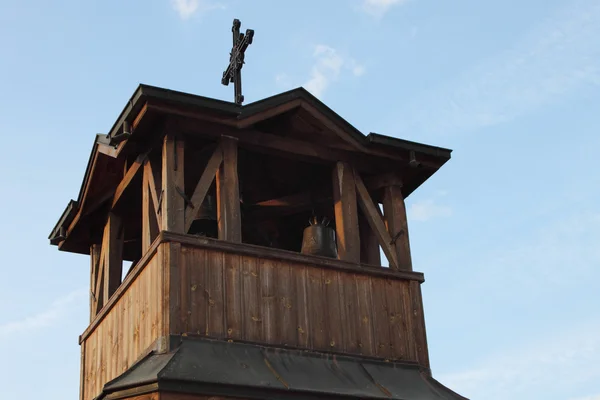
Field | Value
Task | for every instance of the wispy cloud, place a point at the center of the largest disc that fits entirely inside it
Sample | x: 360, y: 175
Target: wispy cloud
x: 187, y: 8
x: 329, y: 65
x: 561, y: 362
x: 555, y: 58
x: 428, y: 209
x: 51, y: 315
x: 379, y: 7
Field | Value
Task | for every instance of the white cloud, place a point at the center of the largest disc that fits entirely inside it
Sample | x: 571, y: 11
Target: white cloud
x: 561, y: 362
x: 328, y: 67
x: 428, y: 209
x: 555, y: 58
x: 45, y: 318
x: 187, y: 8
x: 379, y: 7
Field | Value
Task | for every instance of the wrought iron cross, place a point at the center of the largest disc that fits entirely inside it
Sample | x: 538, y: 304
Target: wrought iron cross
x: 233, y: 73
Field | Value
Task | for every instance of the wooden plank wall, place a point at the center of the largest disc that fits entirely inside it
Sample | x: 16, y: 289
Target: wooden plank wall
x: 126, y: 332
x: 243, y: 297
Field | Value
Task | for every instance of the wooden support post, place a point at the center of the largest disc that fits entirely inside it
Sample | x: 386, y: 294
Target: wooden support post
x: 112, y: 255
x: 94, y: 276
x: 346, y: 213
x: 173, y: 195
x: 394, y: 211
x: 369, y: 245
x: 228, y: 193
x: 373, y: 216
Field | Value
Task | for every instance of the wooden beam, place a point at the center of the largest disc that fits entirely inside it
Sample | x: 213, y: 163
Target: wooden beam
x: 291, y: 204
x: 127, y: 179
x: 112, y: 253
x: 281, y: 146
x: 94, y: 275
x: 346, y: 213
x: 206, y: 180
x: 153, y: 184
x: 228, y: 193
x: 394, y: 211
x: 373, y: 216
x: 150, y: 216
x: 173, y: 202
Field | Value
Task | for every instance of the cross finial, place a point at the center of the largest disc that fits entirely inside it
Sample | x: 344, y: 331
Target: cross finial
x: 233, y: 73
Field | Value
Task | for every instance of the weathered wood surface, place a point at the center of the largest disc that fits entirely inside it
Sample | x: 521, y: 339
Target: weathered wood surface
x: 129, y: 327
x: 286, y: 303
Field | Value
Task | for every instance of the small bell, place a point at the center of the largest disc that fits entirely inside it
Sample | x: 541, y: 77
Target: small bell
x: 319, y: 239
x: 205, y: 223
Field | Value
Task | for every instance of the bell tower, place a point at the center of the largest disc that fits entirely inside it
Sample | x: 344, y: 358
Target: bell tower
x: 207, y: 279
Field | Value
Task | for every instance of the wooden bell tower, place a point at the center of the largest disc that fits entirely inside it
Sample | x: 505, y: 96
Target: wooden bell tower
x: 237, y: 311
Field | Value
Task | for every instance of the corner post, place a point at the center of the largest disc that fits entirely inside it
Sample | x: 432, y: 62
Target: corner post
x: 228, y: 193
x: 173, y: 200
x: 346, y: 213
x: 394, y: 211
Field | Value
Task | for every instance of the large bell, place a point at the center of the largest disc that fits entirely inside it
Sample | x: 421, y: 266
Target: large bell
x: 319, y: 239
x: 205, y: 223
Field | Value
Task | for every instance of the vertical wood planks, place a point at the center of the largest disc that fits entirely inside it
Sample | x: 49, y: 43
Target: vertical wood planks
x: 419, y: 333
x: 199, y: 295
x: 395, y: 294
x: 351, y: 320
x: 364, y: 329
x: 317, y: 309
x: 380, y: 318
x: 233, y: 295
x: 215, y: 316
x: 287, y: 316
x: 335, y: 312
x: 251, y: 304
x: 299, y: 276
x: 346, y: 213
x: 124, y: 333
x: 268, y: 300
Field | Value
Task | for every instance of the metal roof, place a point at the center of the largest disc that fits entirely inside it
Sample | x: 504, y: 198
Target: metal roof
x: 218, y: 368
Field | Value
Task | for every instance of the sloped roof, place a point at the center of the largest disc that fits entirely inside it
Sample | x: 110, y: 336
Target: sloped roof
x: 217, y: 368
x: 147, y: 100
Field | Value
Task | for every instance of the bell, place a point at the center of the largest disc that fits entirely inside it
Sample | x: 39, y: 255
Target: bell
x: 205, y: 223
x: 319, y: 239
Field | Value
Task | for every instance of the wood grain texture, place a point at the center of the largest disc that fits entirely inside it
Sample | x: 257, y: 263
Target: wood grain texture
x: 396, y: 222
x: 125, y: 332
x: 228, y: 193
x: 346, y: 213
x: 294, y: 305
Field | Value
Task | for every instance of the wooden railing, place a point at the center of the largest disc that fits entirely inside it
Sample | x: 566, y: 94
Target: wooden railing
x: 211, y: 288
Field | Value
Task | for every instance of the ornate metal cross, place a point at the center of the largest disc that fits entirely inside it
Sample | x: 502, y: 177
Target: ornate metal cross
x: 233, y: 73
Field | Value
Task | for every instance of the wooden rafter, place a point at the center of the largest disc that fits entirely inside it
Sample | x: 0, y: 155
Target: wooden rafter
x: 373, y: 216
x: 206, y: 180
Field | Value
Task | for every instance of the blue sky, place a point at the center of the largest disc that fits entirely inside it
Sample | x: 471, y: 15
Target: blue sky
x: 506, y: 233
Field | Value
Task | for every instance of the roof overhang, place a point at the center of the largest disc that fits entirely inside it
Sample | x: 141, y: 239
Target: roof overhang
x: 149, y: 104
